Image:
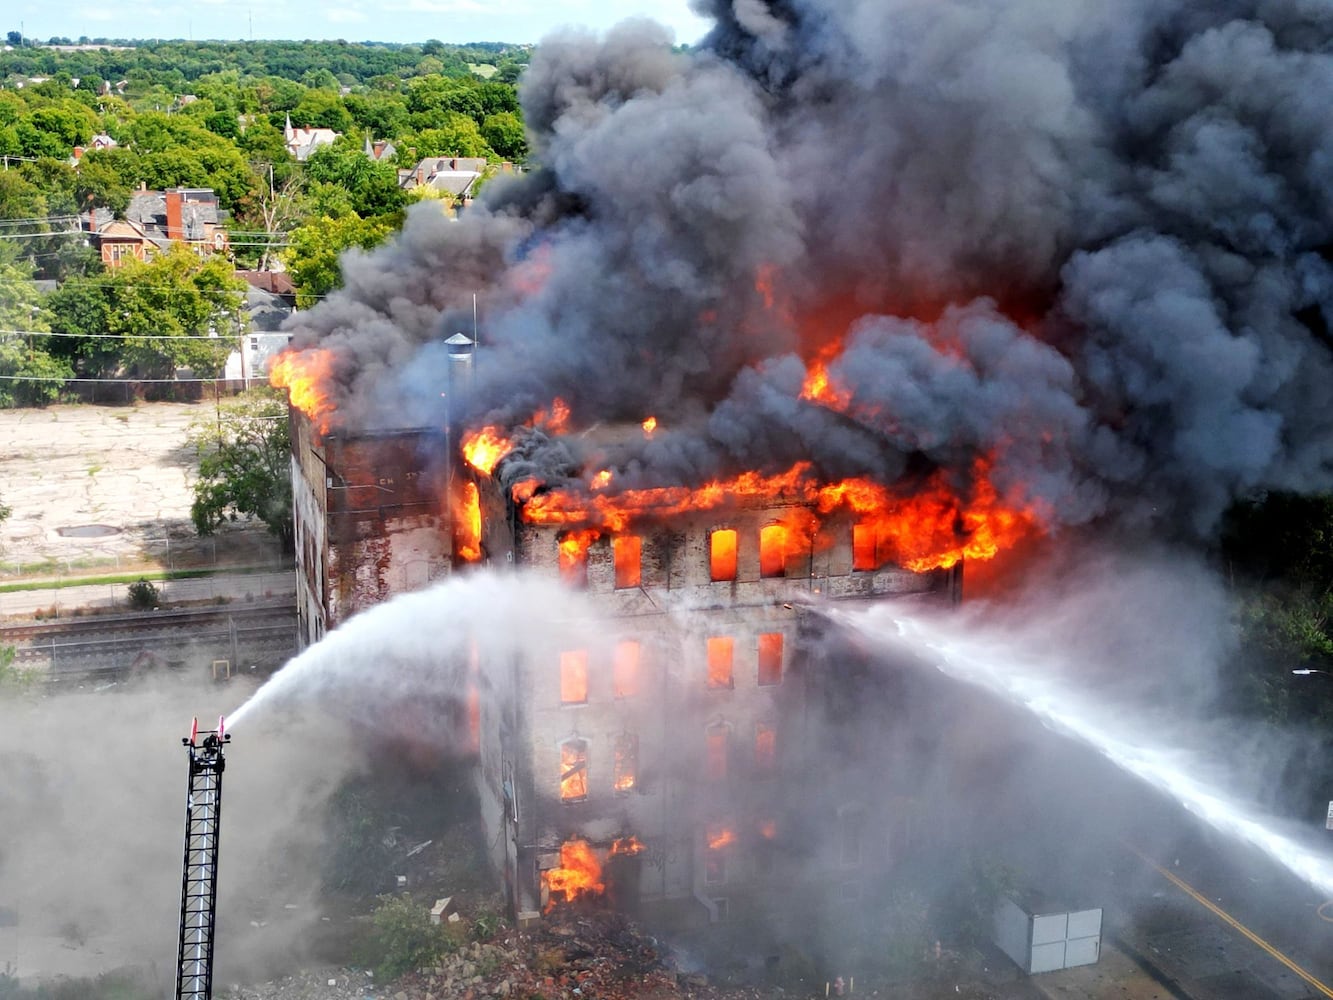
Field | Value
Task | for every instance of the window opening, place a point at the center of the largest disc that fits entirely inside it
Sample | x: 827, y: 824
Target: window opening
x: 716, y: 739
x: 625, y: 670
x: 574, y: 677
x: 573, y: 770
x: 765, y: 748
x: 627, y: 762
x: 721, y: 654
x: 573, y: 559
x: 864, y: 556
x: 773, y: 550
x: 628, y: 550
x: 722, y: 554
x: 770, y: 658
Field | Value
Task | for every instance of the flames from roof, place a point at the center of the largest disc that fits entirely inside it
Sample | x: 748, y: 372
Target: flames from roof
x: 1075, y: 274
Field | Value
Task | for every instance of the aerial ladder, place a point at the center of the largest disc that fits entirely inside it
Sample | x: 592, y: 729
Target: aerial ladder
x: 199, y: 879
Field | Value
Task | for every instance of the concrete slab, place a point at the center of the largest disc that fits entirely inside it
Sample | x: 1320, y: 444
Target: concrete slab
x: 106, y: 489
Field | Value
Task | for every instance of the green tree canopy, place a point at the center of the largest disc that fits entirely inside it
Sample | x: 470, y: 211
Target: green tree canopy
x: 195, y: 303
x: 29, y: 375
x: 244, y: 465
x: 314, y: 257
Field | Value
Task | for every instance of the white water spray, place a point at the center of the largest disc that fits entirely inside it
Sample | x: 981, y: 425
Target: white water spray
x: 424, y: 643
x: 1025, y: 677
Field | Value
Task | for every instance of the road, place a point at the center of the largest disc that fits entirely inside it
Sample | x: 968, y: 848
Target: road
x: 1213, y: 919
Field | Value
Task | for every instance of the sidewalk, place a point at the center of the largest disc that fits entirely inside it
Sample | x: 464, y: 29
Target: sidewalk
x: 1115, y: 976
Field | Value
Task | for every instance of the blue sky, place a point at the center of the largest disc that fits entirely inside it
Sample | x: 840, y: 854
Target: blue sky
x: 354, y: 20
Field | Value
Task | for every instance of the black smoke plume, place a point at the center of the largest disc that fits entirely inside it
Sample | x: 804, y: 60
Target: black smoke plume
x: 1089, y: 242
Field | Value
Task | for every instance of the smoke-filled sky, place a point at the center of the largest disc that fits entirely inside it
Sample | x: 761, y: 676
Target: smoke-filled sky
x: 1083, y: 241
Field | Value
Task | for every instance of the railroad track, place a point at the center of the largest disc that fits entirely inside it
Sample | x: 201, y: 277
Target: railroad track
x: 226, y: 639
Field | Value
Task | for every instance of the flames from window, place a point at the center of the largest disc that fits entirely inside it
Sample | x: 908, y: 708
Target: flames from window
x: 722, y: 554
x: 579, y: 874
x: 574, y: 677
x: 573, y: 770
x: 721, y: 656
x: 626, y: 762
x: 467, y: 523
x: 573, y: 559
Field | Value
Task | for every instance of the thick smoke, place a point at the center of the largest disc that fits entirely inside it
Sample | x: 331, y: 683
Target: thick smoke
x: 1084, y: 243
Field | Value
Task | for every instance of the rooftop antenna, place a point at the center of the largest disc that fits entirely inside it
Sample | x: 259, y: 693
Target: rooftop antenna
x: 475, y: 338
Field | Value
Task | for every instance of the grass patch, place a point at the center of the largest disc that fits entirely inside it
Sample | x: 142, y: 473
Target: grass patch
x: 127, y: 578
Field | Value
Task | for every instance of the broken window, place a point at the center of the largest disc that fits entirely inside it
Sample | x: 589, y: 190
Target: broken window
x: 864, y: 556
x: 717, y: 838
x: 573, y: 770
x: 574, y: 677
x: 765, y: 748
x: 721, y: 651
x: 627, y: 762
x: 625, y: 670
x: 716, y: 740
x: 773, y: 550
x: 628, y: 550
x: 722, y: 554
x: 573, y: 560
x: 770, y: 658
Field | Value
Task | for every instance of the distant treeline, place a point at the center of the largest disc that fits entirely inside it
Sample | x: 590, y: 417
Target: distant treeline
x: 172, y: 64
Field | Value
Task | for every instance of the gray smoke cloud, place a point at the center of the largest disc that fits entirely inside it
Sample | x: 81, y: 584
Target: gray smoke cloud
x: 1088, y: 244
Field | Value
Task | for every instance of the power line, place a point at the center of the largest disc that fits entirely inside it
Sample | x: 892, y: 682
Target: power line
x: 128, y: 381
x: 131, y: 336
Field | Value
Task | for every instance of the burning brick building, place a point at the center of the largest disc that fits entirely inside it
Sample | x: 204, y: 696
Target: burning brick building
x: 1047, y: 292
x: 650, y: 763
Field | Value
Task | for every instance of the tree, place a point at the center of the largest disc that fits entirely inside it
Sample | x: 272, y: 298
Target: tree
x: 244, y: 465
x: 313, y: 259
x: 29, y: 375
x: 457, y: 136
x: 373, y: 186
x: 505, y: 134
x: 175, y: 311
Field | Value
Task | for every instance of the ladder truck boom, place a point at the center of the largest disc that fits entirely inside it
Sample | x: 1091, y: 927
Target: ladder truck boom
x: 199, y: 877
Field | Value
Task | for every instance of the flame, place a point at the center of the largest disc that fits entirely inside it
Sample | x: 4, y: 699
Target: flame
x: 820, y: 388
x: 792, y: 536
x: 556, y: 420
x: 649, y: 425
x: 627, y: 846
x: 468, y: 523
x: 932, y: 527
x: 763, y: 283
x: 602, y: 480
x: 305, y: 375
x: 573, y: 558
x: 768, y: 829
x: 720, y: 837
x: 579, y: 874
x: 483, y: 449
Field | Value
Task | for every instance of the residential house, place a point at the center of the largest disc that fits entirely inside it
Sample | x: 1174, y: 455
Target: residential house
x: 156, y: 219
x: 456, y: 176
x: 380, y: 149
x: 99, y: 141
x: 269, y: 300
x: 303, y: 141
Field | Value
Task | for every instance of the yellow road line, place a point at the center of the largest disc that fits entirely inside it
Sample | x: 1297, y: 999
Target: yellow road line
x: 1231, y: 921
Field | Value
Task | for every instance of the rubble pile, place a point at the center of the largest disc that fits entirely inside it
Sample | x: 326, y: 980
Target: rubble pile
x: 573, y: 956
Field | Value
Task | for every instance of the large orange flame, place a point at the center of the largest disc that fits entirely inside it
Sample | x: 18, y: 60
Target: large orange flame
x: 579, y: 874
x: 484, y: 448
x: 305, y: 375
x: 931, y: 527
x: 468, y: 523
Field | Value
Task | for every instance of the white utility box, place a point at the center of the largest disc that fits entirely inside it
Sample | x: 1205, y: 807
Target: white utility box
x: 1042, y: 937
